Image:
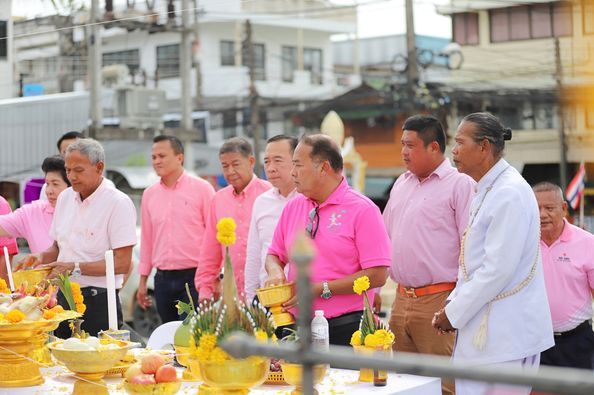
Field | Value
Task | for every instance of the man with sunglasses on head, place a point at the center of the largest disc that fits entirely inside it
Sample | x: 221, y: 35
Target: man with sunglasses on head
x: 346, y: 228
x: 425, y: 217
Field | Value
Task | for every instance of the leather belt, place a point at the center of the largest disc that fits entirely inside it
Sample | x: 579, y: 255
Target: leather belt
x: 411, y: 292
x: 573, y: 331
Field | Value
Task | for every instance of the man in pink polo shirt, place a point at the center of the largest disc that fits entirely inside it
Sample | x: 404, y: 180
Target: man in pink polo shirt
x: 90, y: 218
x: 346, y: 228
x: 568, y: 265
x: 425, y: 217
x: 235, y: 201
x: 173, y: 219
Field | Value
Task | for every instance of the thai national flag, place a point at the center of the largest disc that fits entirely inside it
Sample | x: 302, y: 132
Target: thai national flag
x: 575, y: 189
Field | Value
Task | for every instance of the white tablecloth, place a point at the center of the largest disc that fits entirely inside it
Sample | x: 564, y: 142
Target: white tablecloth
x: 59, y: 381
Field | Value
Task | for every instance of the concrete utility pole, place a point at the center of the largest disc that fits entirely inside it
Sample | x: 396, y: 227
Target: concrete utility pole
x: 94, y: 70
x: 562, y: 142
x: 196, y: 56
x: 185, y: 66
x: 413, y: 70
x: 254, y: 108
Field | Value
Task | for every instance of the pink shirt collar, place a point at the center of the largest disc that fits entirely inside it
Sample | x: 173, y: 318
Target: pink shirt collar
x: 251, y: 185
x: 178, y: 183
x: 440, y: 171
x: 567, y: 232
x: 47, y: 207
x: 336, y: 196
x: 93, y: 195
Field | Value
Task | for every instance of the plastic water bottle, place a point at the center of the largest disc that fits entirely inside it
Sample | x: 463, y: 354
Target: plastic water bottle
x: 320, y: 333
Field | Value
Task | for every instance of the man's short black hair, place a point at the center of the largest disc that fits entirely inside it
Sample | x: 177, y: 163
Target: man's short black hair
x: 283, y: 137
x: 55, y: 164
x: 176, y: 144
x: 72, y: 135
x: 428, y: 128
x: 324, y: 148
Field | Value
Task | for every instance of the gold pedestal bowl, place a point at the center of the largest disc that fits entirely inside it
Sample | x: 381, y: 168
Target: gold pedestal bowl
x: 93, y: 364
x: 17, y: 344
x: 152, y: 389
x: 273, y: 298
x: 182, y: 354
x: 292, y: 373
x: 31, y: 276
x: 231, y: 377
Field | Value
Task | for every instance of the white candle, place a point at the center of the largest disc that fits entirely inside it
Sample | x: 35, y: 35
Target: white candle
x: 8, y: 269
x: 112, y: 312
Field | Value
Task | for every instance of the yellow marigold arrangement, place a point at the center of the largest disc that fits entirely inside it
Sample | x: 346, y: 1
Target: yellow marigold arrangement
x: 372, y: 332
x: 226, y: 231
x: 3, y: 287
x: 15, y: 316
x: 72, y: 293
x: 213, y: 320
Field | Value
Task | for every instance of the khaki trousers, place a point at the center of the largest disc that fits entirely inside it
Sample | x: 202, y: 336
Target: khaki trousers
x: 410, y: 322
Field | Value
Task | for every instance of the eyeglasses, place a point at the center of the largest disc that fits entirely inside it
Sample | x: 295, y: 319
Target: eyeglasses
x: 313, y: 223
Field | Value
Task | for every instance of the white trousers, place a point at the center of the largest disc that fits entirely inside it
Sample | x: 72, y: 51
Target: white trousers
x: 467, y: 387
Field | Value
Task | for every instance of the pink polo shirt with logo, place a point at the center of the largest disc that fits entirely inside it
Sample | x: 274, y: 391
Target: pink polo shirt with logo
x: 31, y: 222
x: 226, y: 203
x: 351, y: 237
x: 568, y: 266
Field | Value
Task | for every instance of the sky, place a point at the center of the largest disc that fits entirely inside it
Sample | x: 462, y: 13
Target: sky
x: 378, y: 18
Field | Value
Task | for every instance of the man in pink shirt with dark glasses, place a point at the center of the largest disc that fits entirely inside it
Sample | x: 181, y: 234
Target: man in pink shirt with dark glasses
x: 173, y: 213
x: 347, y: 231
x: 425, y: 217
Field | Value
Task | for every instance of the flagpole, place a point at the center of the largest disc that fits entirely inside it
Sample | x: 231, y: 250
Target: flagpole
x: 582, y: 198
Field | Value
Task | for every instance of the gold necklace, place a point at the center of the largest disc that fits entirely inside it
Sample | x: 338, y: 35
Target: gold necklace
x: 480, y: 338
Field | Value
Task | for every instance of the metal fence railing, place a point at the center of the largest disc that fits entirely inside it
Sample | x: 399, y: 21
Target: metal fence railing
x: 549, y: 379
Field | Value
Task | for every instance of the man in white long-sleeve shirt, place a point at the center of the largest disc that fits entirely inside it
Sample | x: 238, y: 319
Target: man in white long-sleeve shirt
x: 267, y: 209
x: 499, y: 306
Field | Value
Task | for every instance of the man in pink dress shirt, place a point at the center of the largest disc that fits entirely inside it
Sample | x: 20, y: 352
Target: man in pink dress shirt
x: 235, y: 201
x: 173, y: 220
x: 425, y: 216
x: 568, y: 265
x: 8, y: 242
x: 347, y: 231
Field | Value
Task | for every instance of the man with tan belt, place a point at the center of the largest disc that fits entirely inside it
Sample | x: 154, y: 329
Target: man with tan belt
x: 425, y: 217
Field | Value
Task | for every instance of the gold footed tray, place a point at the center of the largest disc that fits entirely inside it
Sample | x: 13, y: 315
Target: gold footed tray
x: 17, y: 343
x: 231, y: 377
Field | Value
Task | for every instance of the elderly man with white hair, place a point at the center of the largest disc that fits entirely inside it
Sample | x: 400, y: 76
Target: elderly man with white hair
x: 90, y: 218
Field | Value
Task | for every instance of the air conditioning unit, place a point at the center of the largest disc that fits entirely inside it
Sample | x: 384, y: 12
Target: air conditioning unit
x: 140, y: 107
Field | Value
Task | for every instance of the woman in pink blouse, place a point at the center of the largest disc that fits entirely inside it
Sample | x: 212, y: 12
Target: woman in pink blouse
x: 32, y: 221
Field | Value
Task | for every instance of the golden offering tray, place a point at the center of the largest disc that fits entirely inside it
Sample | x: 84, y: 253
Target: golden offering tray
x: 273, y: 298
x: 17, y: 342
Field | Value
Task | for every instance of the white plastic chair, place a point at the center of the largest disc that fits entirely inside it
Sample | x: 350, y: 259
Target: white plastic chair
x: 162, y: 336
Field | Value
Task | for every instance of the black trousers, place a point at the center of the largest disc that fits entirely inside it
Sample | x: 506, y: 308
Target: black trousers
x: 573, y: 349
x: 95, y: 317
x: 170, y: 286
x: 343, y: 327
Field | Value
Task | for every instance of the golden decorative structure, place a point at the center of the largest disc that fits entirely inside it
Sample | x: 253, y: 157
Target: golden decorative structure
x: 231, y: 377
x: 365, y: 375
x: 93, y: 364
x: 182, y: 354
x: 273, y: 298
x: 150, y: 389
x: 17, y: 342
x: 31, y: 276
x: 293, y: 374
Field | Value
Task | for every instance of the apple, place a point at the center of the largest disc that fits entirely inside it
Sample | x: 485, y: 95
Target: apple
x: 166, y: 374
x: 132, y: 372
x: 143, y: 379
x: 149, y: 363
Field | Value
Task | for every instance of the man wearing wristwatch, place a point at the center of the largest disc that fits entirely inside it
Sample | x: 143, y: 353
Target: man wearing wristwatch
x: 347, y: 231
x: 90, y: 218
